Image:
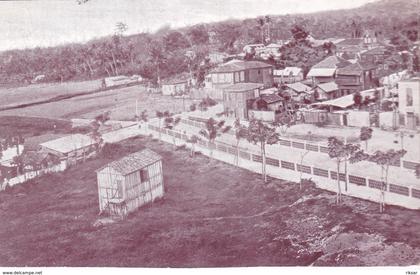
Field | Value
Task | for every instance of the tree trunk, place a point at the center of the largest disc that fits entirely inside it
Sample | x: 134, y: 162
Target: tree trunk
x: 192, y: 150
x: 345, y: 174
x: 237, y: 153
x: 160, y: 134
x: 115, y: 63
x: 366, y: 145
x: 338, y: 184
x: 263, y: 162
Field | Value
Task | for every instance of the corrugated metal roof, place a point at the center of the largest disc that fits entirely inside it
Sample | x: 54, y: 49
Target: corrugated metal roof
x: 331, y: 62
x: 243, y: 87
x: 133, y: 162
x: 288, y: 71
x: 329, y: 86
x: 299, y: 87
x: 69, y: 143
x: 239, y: 65
x: 271, y: 98
x: 321, y: 72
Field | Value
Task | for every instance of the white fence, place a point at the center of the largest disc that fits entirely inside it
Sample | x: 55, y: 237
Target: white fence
x: 33, y: 174
x: 279, y: 167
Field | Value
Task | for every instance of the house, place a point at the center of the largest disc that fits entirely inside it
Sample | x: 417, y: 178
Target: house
x: 271, y: 50
x: 38, y: 160
x: 409, y: 101
x: 268, y: 102
x: 130, y: 182
x: 374, y: 56
x: 298, y: 91
x: 324, y: 71
x: 355, y: 78
x: 238, y: 97
x: 71, y: 148
x: 288, y: 75
x: 217, y: 57
x: 327, y: 91
x: 237, y: 71
x: 350, y: 47
x: 254, y: 48
x: 176, y: 86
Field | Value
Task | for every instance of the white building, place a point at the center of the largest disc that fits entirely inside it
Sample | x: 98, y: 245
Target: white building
x: 409, y: 101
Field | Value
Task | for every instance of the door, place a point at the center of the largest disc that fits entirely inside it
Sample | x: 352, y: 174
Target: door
x: 411, y: 121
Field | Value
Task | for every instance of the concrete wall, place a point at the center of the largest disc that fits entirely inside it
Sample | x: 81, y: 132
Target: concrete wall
x: 287, y: 169
x: 358, y: 118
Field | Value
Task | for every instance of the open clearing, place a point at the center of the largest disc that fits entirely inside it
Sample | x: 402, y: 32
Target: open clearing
x: 120, y: 102
x: 33, y: 93
x: 213, y: 214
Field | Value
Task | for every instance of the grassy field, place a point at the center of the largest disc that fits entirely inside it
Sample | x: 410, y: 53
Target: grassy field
x: 120, y: 102
x: 38, y: 92
x: 31, y: 126
x: 212, y: 214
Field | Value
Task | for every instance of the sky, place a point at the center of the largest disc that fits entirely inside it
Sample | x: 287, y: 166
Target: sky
x: 28, y: 24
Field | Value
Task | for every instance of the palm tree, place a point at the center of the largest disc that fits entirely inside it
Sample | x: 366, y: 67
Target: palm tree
x: 157, y: 57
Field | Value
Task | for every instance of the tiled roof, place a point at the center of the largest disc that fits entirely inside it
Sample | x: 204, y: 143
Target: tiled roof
x: 239, y: 65
x: 243, y: 87
x: 133, y: 162
x: 299, y: 87
x: 328, y: 87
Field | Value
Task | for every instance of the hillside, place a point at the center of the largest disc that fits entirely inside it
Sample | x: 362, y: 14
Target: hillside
x: 163, y: 54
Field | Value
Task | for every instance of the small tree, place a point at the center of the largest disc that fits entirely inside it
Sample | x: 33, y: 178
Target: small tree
x: 193, y: 107
x: 336, y: 152
x: 283, y: 121
x: 385, y: 159
x: 161, y: 115
x: 357, y: 99
x: 365, y: 135
x: 240, y: 133
x: 170, y: 122
x: 213, y: 129
x: 259, y: 132
x: 96, y: 136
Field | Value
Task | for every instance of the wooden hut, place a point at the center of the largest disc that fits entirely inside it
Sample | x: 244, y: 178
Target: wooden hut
x: 126, y: 184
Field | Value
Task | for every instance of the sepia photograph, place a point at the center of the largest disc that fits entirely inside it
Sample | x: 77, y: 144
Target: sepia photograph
x: 210, y: 135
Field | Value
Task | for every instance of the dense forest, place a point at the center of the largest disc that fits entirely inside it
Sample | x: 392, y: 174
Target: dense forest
x: 170, y: 51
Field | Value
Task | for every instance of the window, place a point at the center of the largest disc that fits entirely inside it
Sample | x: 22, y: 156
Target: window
x: 409, y: 96
x: 144, y: 175
x: 120, y: 189
x: 242, y: 76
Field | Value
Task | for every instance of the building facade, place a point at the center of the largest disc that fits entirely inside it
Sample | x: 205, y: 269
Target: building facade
x: 409, y: 102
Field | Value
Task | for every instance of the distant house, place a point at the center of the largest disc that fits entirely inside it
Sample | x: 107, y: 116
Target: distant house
x: 254, y: 48
x: 409, y: 102
x: 299, y: 91
x: 130, y: 182
x: 355, y: 78
x: 237, y: 71
x: 374, y: 56
x: 324, y: 71
x: 238, y: 97
x: 350, y: 47
x: 327, y: 91
x: 217, y: 57
x: 71, y: 148
x: 288, y: 75
x: 176, y: 86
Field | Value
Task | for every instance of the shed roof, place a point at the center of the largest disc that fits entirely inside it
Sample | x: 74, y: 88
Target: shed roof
x: 329, y: 86
x: 69, y: 143
x: 243, y: 87
x: 271, y: 98
x: 33, y: 143
x: 321, y: 72
x: 355, y: 69
x: 133, y: 162
x: 239, y: 65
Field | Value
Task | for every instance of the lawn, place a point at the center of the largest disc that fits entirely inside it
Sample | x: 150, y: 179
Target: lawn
x: 120, y: 102
x: 213, y: 214
x: 31, y: 126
